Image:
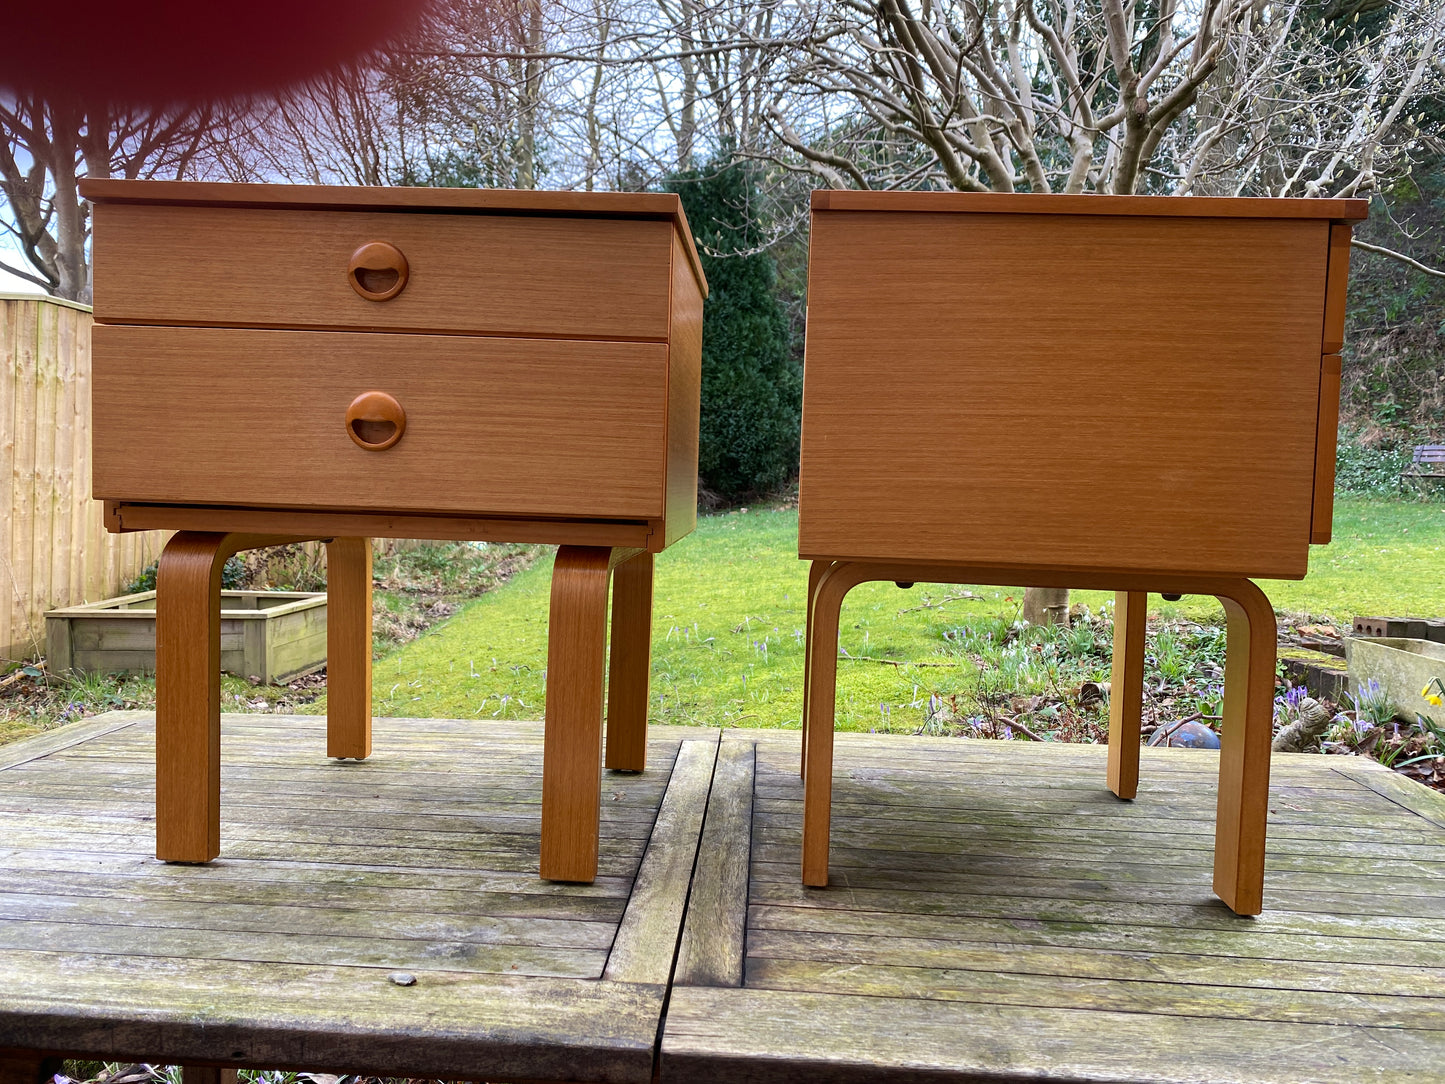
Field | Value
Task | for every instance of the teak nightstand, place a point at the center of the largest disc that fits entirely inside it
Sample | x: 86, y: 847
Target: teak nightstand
x: 1128, y: 393
x: 276, y: 363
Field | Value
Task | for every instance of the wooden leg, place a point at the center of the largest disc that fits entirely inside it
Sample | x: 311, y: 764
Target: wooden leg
x: 1244, y: 750
x: 815, y: 573
x: 348, y: 648
x: 26, y: 1067
x: 1126, y: 692
x: 630, y: 665
x: 822, y: 687
x: 572, y: 763
x: 188, y: 697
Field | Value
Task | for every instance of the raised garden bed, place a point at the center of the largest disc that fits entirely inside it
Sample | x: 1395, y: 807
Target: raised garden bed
x: 1403, y: 667
x: 271, y: 635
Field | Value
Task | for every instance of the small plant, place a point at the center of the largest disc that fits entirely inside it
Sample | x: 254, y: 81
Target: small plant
x: 1372, y: 704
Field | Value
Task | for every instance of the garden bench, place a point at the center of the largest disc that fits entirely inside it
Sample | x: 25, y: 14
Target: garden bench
x: 1427, y: 466
x: 282, y: 362
x: 1144, y: 322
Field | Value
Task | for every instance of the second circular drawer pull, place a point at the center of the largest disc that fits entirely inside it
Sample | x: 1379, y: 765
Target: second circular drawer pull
x: 378, y: 271
x: 375, y: 421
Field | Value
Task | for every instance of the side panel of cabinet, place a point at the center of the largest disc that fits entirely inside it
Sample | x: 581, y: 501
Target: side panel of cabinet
x: 684, y: 387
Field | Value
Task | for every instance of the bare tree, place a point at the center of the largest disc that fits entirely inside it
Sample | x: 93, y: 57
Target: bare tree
x: 47, y: 146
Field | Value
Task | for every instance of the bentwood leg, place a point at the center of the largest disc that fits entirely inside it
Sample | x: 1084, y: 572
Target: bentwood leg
x: 572, y: 761
x: 1126, y: 692
x: 822, y: 687
x: 188, y: 691
x: 1244, y: 750
x: 188, y: 697
x: 815, y: 573
x: 348, y: 648
x: 27, y: 1067
x: 630, y: 665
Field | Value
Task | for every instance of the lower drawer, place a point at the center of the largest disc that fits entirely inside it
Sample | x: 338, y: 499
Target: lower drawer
x: 525, y: 427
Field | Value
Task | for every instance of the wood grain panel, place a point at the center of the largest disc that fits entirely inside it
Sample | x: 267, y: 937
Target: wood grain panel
x: 493, y: 274
x: 1030, y: 203
x: 1333, y: 340
x: 684, y: 391
x: 638, y: 205
x: 494, y: 426
x: 1322, y: 516
x: 1064, y: 391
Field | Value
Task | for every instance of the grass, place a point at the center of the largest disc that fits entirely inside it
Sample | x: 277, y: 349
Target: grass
x: 729, y: 615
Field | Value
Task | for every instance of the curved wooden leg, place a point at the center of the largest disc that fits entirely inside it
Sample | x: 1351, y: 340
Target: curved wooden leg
x: 1126, y: 692
x: 815, y: 573
x: 27, y: 1067
x: 348, y: 648
x: 822, y: 686
x: 630, y: 664
x: 188, y: 696
x: 1244, y: 749
x: 572, y: 762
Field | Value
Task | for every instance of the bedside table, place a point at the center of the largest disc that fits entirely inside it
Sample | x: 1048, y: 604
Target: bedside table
x: 276, y: 363
x: 1128, y: 393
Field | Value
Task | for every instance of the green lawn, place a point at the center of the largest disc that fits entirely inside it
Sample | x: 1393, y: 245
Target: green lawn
x: 729, y: 611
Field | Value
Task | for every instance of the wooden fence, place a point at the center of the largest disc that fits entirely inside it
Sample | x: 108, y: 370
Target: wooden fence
x: 54, y: 550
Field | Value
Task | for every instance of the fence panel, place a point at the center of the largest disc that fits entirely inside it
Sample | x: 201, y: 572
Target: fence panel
x: 54, y: 549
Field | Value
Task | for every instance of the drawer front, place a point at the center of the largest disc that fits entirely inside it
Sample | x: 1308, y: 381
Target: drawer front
x: 506, y: 427
x: 1062, y: 391
x: 486, y: 274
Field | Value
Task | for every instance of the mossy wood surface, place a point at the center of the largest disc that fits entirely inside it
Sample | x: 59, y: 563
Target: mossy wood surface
x: 994, y: 914
x: 337, y: 875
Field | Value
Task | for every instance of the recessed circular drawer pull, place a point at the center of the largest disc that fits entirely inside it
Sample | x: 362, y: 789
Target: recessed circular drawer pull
x: 378, y: 271
x: 375, y: 421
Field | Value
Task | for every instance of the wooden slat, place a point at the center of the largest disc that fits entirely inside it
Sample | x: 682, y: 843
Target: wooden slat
x: 711, y: 953
x: 68, y: 737
x: 908, y: 918
x: 1406, y: 793
x: 648, y: 936
x: 1109, y: 994
x: 446, y: 1025
x: 728, y: 1035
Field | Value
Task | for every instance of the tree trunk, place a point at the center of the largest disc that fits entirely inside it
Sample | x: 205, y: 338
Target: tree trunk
x: 1046, y: 605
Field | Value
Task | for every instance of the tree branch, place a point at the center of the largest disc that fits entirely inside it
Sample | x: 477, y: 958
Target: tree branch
x: 1380, y: 250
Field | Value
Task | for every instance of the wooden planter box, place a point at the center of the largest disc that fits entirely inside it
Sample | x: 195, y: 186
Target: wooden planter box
x: 271, y: 635
x: 1402, y: 666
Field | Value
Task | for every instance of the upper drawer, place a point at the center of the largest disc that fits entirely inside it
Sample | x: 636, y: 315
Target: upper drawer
x: 574, y: 278
x: 493, y: 426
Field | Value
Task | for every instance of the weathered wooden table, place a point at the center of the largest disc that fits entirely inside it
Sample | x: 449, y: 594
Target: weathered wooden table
x: 1128, y: 393
x: 1021, y: 927
x: 275, y: 363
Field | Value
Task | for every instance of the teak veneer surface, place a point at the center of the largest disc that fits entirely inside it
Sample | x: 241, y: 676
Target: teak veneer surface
x: 475, y: 274
x: 1063, y: 390
x: 482, y: 201
x: 1339, y: 210
x: 494, y: 426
